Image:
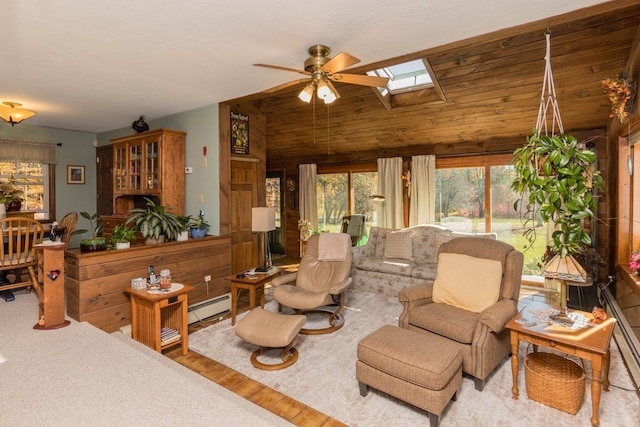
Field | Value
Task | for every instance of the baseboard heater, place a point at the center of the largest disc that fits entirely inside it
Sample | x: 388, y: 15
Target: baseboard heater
x: 626, y: 339
x: 209, y: 308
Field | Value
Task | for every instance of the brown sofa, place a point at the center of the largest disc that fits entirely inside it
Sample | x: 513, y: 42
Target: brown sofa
x: 481, y: 336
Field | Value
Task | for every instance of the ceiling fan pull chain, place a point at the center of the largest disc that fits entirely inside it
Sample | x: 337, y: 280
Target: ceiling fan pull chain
x: 314, y: 120
x: 328, y: 143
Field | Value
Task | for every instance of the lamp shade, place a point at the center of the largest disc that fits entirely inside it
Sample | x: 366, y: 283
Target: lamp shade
x: 565, y: 268
x: 307, y: 93
x: 263, y: 219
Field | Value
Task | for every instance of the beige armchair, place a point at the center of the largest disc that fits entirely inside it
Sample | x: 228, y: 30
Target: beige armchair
x: 471, y: 300
x: 321, y: 280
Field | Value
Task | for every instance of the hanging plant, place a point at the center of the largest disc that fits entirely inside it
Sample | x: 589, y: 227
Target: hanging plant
x: 562, y: 193
x: 621, y: 93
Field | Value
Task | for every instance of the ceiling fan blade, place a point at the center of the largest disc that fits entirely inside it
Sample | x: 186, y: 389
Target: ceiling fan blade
x: 339, y: 63
x: 285, y: 85
x: 277, y: 67
x: 359, y: 79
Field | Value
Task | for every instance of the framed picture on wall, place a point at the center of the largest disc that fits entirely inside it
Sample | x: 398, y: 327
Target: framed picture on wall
x: 239, y: 133
x: 75, y: 174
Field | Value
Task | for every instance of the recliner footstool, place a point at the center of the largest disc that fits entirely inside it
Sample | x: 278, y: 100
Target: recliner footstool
x: 267, y: 329
x: 422, y: 369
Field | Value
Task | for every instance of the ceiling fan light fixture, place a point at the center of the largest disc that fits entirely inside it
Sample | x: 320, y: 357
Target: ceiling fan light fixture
x: 13, y: 114
x: 307, y: 93
x: 324, y: 90
x: 333, y: 93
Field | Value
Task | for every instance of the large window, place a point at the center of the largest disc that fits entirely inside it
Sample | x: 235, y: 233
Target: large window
x: 475, y: 195
x: 345, y: 192
x: 34, y: 181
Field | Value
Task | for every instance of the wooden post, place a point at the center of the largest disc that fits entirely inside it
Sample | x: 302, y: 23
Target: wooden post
x: 51, y: 296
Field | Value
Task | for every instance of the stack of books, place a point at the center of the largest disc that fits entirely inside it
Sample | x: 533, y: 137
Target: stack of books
x: 168, y: 336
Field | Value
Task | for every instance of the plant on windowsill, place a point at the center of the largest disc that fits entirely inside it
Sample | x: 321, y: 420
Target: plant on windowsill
x: 634, y: 262
x: 122, y: 237
x: 199, y: 226
x: 154, y: 222
x: 10, y: 195
x: 96, y: 242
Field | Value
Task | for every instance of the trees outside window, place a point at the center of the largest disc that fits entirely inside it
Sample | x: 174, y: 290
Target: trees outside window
x: 33, y: 180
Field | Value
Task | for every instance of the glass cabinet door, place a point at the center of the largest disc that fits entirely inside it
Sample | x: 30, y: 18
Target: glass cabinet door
x: 135, y: 164
x: 120, y: 169
x: 152, y: 166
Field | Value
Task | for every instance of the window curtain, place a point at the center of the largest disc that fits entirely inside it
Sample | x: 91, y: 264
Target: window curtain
x: 422, y: 208
x: 308, y: 196
x: 390, y: 212
x: 15, y: 150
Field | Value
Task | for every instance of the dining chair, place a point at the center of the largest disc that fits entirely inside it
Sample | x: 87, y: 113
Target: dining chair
x: 18, y: 253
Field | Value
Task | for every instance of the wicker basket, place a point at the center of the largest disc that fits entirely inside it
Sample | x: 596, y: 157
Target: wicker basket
x: 554, y: 381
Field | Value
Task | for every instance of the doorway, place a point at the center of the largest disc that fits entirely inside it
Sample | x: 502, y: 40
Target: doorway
x: 274, y: 193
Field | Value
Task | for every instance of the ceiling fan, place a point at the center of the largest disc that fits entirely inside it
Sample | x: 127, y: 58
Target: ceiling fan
x: 322, y: 70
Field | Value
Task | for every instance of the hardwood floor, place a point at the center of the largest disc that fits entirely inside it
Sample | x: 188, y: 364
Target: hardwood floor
x: 280, y: 404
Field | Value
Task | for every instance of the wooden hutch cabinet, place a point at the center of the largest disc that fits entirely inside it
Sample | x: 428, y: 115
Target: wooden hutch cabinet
x: 148, y: 164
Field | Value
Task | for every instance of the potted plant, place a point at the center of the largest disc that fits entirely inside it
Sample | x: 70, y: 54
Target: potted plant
x: 555, y: 177
x: 10, y: 195
x: 185, y: 227
x: 96, y: 242
x: 199, y: 226
x: 154, y: 222
x: 122, y: 237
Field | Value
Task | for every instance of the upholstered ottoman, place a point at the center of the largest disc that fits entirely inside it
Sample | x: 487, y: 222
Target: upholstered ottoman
x: 267, y: 329
x: 424, y: 370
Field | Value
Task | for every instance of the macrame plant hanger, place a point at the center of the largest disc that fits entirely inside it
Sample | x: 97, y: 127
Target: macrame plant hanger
x: 557, y: 267
x: 548, y: 100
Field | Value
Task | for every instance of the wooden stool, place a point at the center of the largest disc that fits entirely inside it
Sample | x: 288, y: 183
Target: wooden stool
x: 422, y: 369
x: 271, y: 330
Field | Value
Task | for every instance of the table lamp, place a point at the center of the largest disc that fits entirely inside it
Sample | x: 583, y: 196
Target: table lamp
x: 564, y: 269
x: 263, y: 220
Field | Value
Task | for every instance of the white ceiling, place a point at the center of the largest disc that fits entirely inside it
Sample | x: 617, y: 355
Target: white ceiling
x: 97, y: 65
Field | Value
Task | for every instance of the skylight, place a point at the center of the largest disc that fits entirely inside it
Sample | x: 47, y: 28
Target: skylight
x: 404, y: 77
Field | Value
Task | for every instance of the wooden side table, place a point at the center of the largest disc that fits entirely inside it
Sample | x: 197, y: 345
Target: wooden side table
x: 151, y: 312
x: 590, y: 344
x: 254, y: 286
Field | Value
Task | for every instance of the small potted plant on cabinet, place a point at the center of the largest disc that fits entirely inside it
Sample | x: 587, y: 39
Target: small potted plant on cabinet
x: 122, y: 237
x: 199, y: 226
x: 154, y: 222
x: 185, y: 226
x: 96, y: 242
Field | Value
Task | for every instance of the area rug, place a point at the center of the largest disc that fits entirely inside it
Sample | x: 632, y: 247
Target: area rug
x: 324, y: 378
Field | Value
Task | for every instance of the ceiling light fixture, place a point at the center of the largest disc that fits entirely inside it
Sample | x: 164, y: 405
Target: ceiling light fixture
x: 325, y: 91
x: 13, y: 115
x: 307, y: 92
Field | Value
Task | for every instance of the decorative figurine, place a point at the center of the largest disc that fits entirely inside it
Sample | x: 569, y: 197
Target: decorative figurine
x: 599, y: 315
x: 140, y: 125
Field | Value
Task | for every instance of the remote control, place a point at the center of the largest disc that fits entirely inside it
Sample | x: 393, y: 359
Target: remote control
x: 526, y: 322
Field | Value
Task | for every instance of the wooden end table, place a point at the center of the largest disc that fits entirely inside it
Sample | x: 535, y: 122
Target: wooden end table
x: 591, y: 344
x: 150, y: 312
x: 254, y: 286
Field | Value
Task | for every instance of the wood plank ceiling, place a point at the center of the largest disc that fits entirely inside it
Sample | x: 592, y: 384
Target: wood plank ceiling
x: 492, y: 86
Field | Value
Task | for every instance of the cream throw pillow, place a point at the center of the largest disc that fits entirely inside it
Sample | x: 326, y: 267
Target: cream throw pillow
x: 467, y: 282
x: 399, y: 245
